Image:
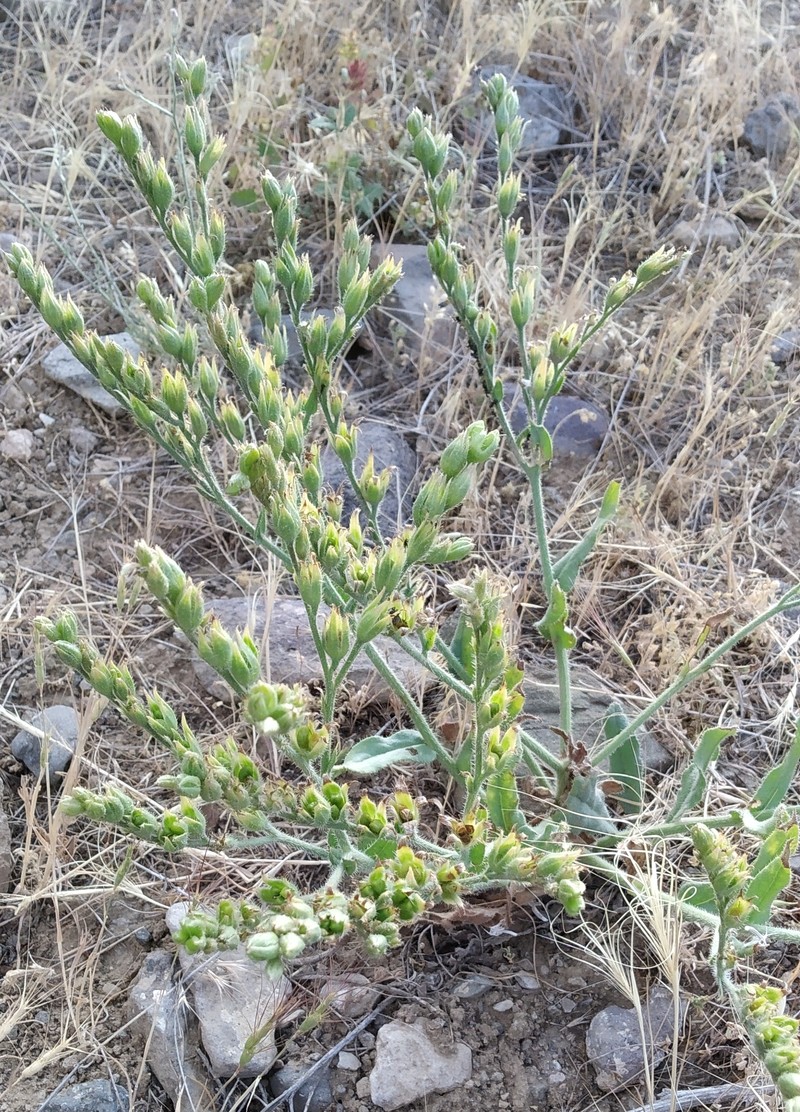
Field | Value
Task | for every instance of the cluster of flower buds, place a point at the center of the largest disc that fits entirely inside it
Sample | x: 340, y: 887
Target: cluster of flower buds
x: 775, y: 1038
x: 655, y: 266
x: 449, y: 485
x: 728, y: 872
x: 174, y: 830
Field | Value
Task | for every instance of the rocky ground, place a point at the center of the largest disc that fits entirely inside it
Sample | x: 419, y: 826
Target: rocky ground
x: 692, y: 398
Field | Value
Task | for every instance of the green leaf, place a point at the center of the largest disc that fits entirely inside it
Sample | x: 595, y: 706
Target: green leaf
x: 764, y: 888
x: 375, y: 753
x: 566, y: 569
x: 502, y: 801
x: 378, y: 847
x: 699, y: 894
x: 246, y: 198
x: 553, y: 625
x: 777, y: 782
x: 585, y: 809
x: 625, y: 763
x: 693, y: 782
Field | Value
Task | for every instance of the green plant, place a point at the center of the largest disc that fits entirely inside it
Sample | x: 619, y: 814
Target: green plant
x: 385, y: 865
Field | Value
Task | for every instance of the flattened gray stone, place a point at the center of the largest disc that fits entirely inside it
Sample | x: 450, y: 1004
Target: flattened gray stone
x: 770, y: 129
x: 578, y: 428
x: 89, y: 1096
x: 417, y: 307
x: 614, y: 1039
x: 60, y: 723
x: 289, y: 655
x: 545, y: 109
x: 159, y: 1016
x: 715, y: 229
x: 314, y: 1095
x: 591, y: 701
x: 408, y: 1067
x: 785, y: 347
x: 61, y: 367
x: 389, y: 449
x: 233, y: 998
x: 6, y: 854
x: 18, y: 445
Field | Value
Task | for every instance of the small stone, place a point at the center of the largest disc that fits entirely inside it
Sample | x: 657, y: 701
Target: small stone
x: 18, y: 445
x: 503, y: 1005
x: 291, y: 653
x: 614, y: 1039
x: 362, y: 1088
x: 715, y: 229
x: 143, y: 936
x: 568, y: 1005
x: 233, y: 998
x: 6, y: 852
x: 473, y: 987
x: 46, y: 420
x: 13, y: 399
x: 88, y: 1096
x: 348, y: 1061
x: 160, y: 1017
x: 527, y: 981
x: 389, y: 449
x: 60, y: 724
x: 591, y: 701
x: 61, y: 367
x: 82, y: 441
x: 409, y: 1067
x: 544, y: 107
x: 770, y: 129
x: 785, y: 347
x: 578, y: 428
x: 313, y: 1095
x: 416, y: 309
x: 349, y: 995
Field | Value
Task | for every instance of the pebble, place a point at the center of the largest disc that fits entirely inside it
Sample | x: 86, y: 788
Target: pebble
x: 389, y: 449
x: 17, y: 444
x: 233, y: 997
x: 785, y: 347
x: 315, y: 1093
x: 82, y: 441
x: 61, y: 367
x: 769, y: 129
x: 46, y: 420
x: 60, y: 723
x: 614, y: 1039
x: 527, y: 981
x: 544, y: 107
x: 715, y: 229
x: 348, y: 1061
x: 408, y: 1067
x: 13, y: 399
x: 88, y: 1096
x: 503, y: 1005
x: 159, y: 1017
x: 349, y: 995
x: 473, y: 987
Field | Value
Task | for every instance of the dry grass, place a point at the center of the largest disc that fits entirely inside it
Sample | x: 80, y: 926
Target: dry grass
x: 705, y: 428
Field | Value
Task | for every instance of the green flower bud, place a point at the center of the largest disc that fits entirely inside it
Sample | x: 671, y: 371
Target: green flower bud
x: 355, y: 298
x: 181, y: 233
x: 197, y: 77
x: 347, y: 273
x: 336, y: 636
x: 231, y: 422
x: 291, y: 945
x: 263, y: 946
x: 130, y: 138
x: 303, y: 284
x: 174, y: 392
x: 273, y: 194
x: 194, y: 132
x: 620, y: 292
x: 162, y: 191
x: 508, y: 195
x: 202, y: 257
x: 111, y: 126
x: 211, y: 156
x: 375, y: 620
x: 188, y: 610
x: 511, y: 244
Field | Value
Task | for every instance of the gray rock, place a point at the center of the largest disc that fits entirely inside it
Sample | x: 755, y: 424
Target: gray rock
x: 255, y: 333
x: 416, y: 310
x: 60, y: 725
x: 89, y: 1096
x: 349, y: 995
x: 290, y: 656
x: 6, y: 853
x: 770, y: 129
x: 233, y: 999
x: 409, y: 1067
x: 715, y: 229
x: 314, y: 1094
x: 348, y: 1061
x: 473, y: 987
x: 785, y: 347
x: 13, y: 399
x: 61, y: 367
x: 160, y: 1017
x: 614, y: 1039
x: 545, y: 109
x: 590, y: 705
x: 578, y: 428
x: 17, y: 445
x: 389, y: 449
x: 82, y: 441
